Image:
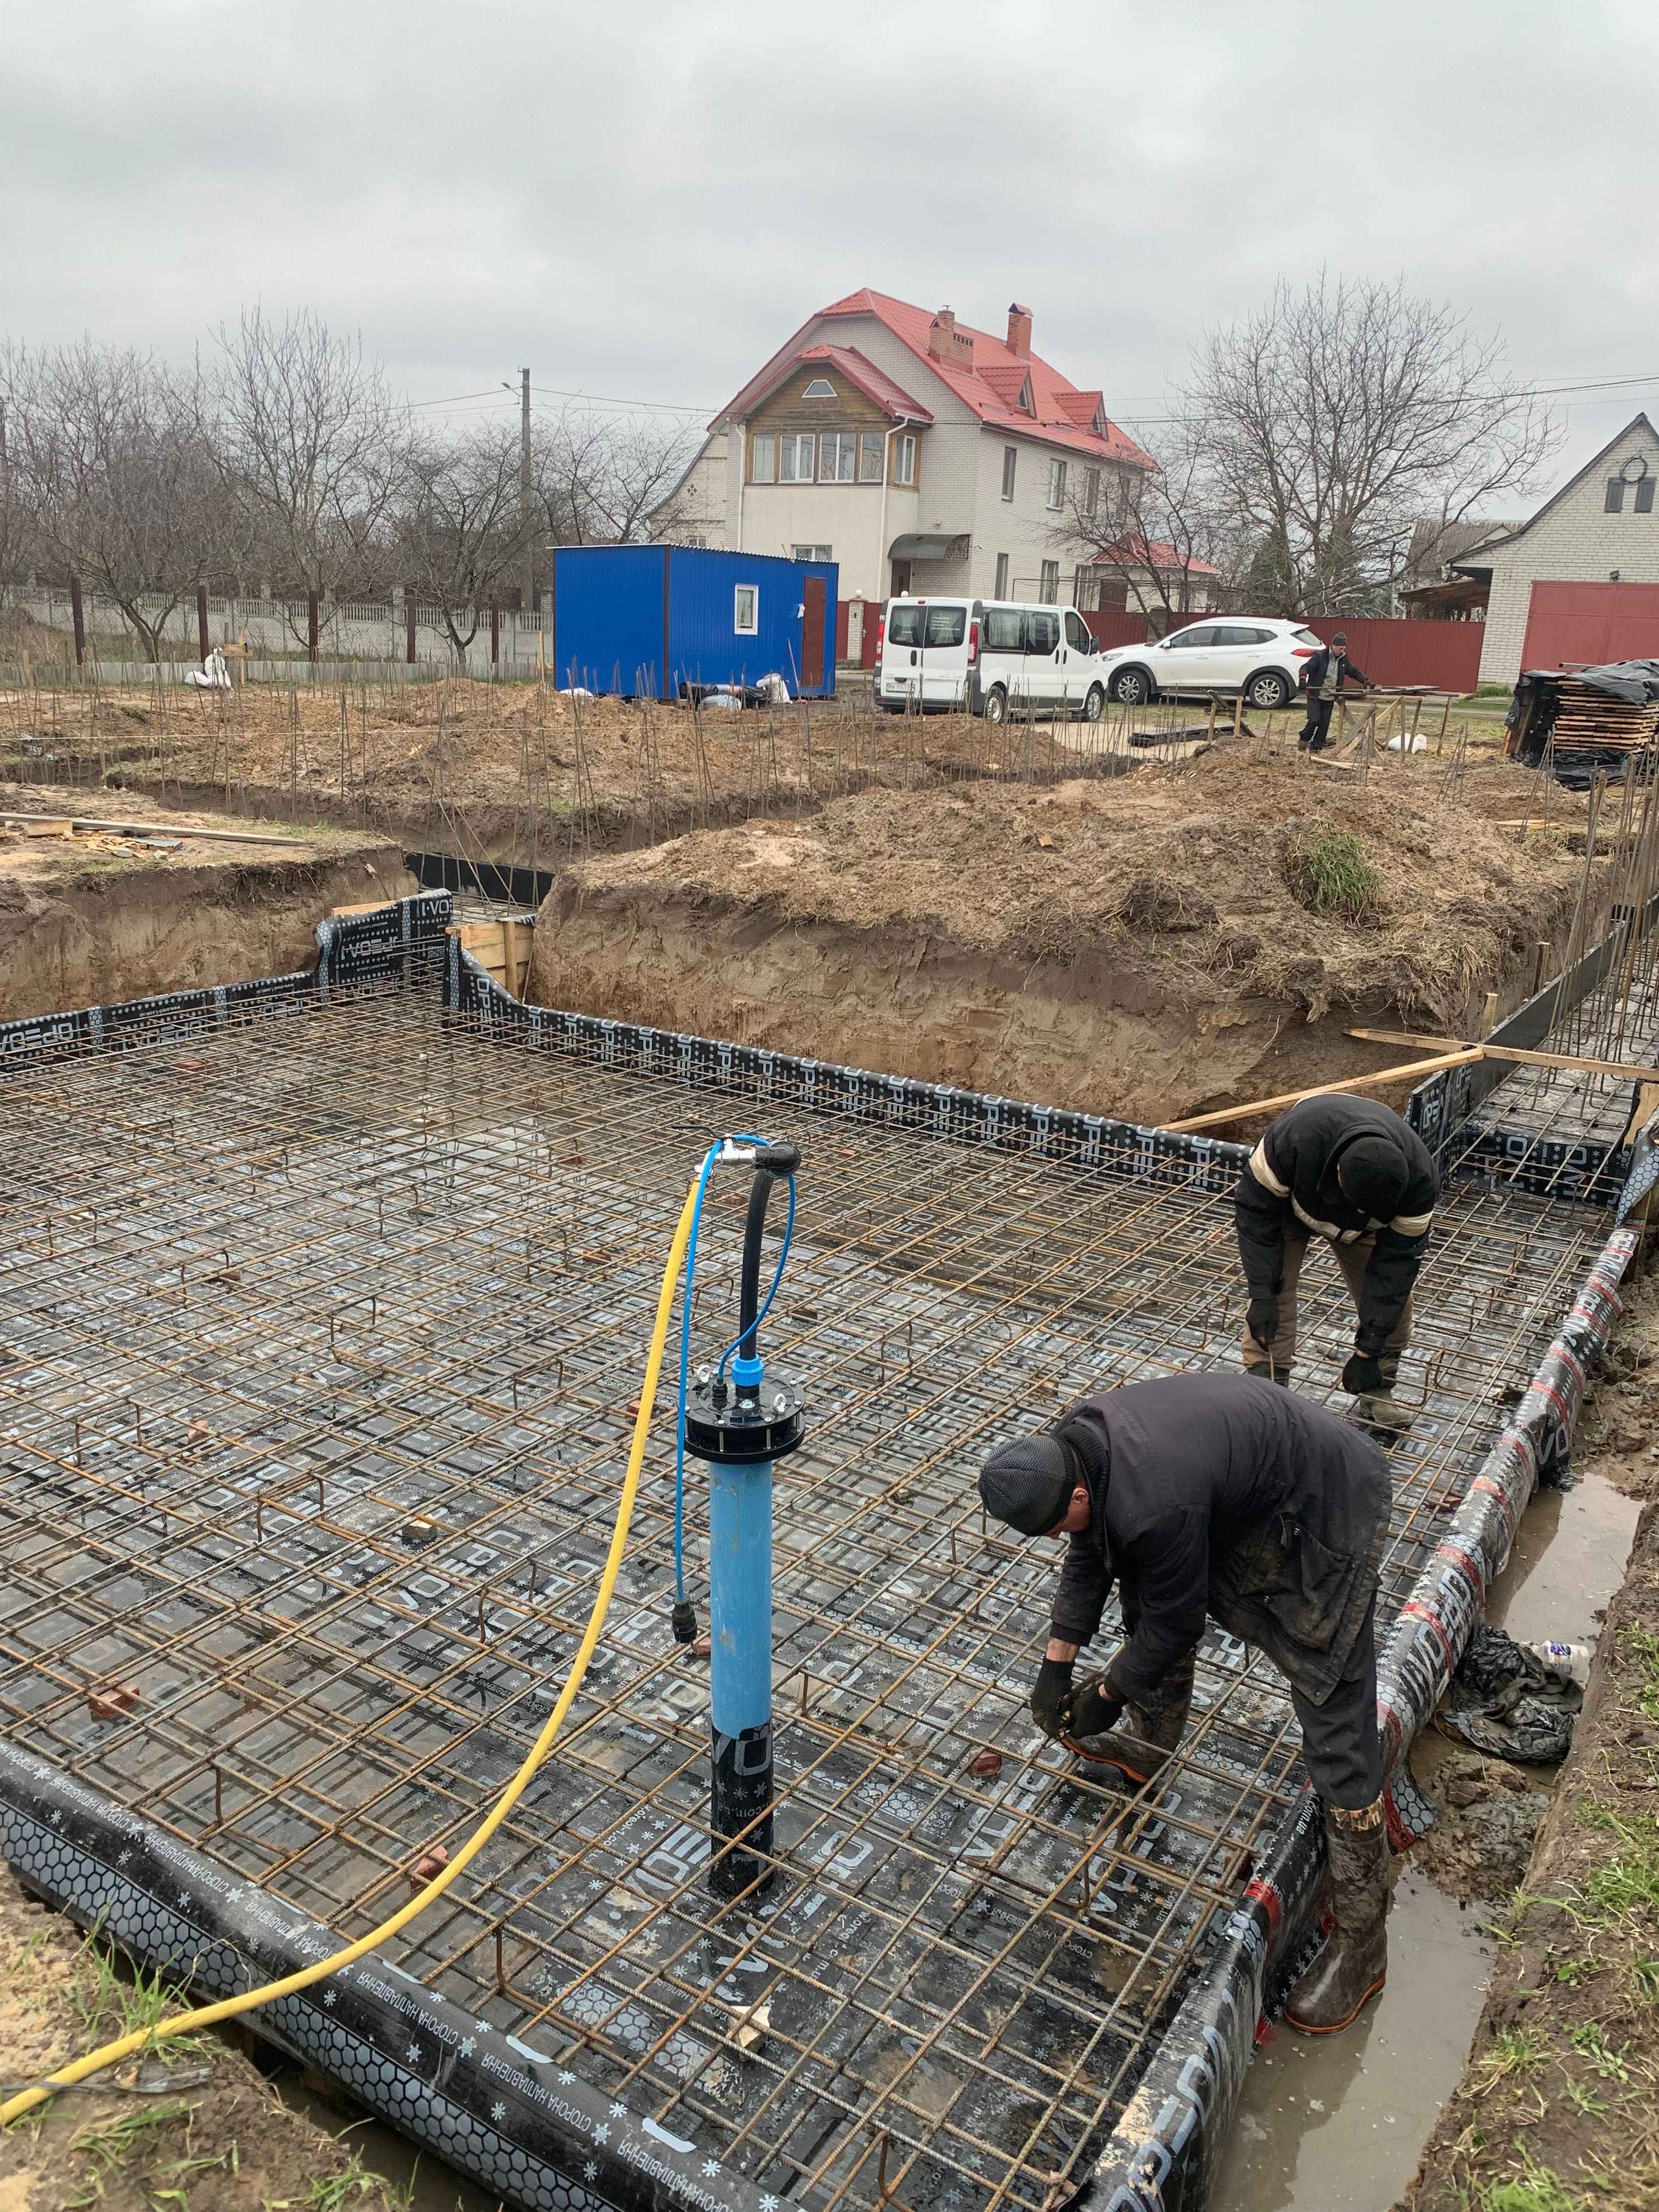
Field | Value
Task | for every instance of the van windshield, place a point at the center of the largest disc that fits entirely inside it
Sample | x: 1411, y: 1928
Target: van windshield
x: 946, y: 625
x: 905, y: 626
x: 1002, y: 629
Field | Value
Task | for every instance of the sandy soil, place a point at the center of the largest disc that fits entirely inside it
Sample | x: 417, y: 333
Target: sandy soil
x: 1130, y: 946
x: 1557, y: 2111
x: 91, y: 918
x: 214, y: 2137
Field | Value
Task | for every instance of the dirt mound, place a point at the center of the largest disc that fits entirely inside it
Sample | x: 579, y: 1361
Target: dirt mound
x: 1479, y: 1848
x: 1130, y: 946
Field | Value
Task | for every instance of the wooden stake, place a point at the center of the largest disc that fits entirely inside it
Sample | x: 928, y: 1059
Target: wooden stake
x: 1513, y: 1055
x: 1413, y: 1069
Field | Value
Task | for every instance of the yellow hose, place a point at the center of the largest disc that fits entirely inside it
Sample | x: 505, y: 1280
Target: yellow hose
x: 111, y: 2054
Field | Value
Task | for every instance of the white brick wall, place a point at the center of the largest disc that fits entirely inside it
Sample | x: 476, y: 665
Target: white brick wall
x: 1575, y: 542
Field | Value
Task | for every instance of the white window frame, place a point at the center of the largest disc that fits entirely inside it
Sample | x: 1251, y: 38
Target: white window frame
x: 1056, y: 485
x: 819, y: 388
x: 1010, y: 470
x: 833, y: 447
x: 764, y: 449
x: 740, y: 592
x: 1091, y: 491
x: 791, y: 444
x: 1000, y: 590
x: 1048, y: 584
x: 904, y: 461
x: 814, y: 553
x: 878, y: 440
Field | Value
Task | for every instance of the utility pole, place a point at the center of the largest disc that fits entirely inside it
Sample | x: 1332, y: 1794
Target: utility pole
x: 528, y: 585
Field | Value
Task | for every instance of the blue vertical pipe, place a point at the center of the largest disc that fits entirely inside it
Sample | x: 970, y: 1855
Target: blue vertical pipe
x: 740, y: 1670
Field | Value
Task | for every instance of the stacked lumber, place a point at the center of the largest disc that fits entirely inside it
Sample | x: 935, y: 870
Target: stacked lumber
x: 1588, y: 717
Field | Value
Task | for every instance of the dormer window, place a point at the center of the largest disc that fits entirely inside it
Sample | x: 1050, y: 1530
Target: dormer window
x: 819, y: 388
x: 1099, y: 425
x: 1027, y: 400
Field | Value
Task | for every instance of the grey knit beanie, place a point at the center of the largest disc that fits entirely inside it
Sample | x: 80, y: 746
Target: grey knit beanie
x: 1028, y: 1484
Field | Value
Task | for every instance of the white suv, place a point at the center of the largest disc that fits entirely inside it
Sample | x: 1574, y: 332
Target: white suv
x: 991, y: 656
x: 1261, y: 659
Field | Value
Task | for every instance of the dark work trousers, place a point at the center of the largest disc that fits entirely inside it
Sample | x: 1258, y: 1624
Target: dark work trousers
x: 1340, y: 1748
x: 1279, y: 1356
x: 1318, y: 723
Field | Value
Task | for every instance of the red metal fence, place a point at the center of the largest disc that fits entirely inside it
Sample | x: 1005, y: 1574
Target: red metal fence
x: 1591, y: 623
x: 1444, y: 654
x: 1113, y: 628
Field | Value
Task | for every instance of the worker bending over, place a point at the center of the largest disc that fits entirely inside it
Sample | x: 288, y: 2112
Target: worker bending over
x: 1323, y: 674
x: 1217, y: 1494
x: 1351, y: 1170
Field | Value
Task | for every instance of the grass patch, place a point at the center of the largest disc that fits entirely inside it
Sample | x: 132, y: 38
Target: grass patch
x: 1329, y: 871
x: 1536, y: 2189
x: 107, y: 2147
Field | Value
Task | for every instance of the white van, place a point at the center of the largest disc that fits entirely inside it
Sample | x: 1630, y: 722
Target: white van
x: 990, y: 656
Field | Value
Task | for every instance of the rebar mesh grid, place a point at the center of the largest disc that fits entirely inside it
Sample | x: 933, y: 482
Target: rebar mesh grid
x: 320, y: 1337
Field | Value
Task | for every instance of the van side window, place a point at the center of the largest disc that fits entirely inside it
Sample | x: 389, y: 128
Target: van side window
x: 1041, y: 631
x: 905, y: 626
x: 1002, y: 631
x: 946, y: 625
x: 1077, y: 631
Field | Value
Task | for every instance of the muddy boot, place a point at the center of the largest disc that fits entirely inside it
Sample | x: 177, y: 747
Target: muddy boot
x: 1354, y: 1963
x: 1139, y: 1746
x: 1379, y: 1413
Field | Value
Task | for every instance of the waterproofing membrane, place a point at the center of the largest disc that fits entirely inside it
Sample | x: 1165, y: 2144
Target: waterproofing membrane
x: 544, y: 2120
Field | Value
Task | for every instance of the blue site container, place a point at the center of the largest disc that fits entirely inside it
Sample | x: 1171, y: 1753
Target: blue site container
x: 644, y: 619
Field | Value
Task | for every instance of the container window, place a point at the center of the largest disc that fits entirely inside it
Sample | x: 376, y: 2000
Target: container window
x: 1000, y: 589
x: 904, y: 460
x: 946, y: 625
x: 905, y: 626
x: 1048, y: 588
x: 870, y: 445
x: 765, y: 450
x: 1002, y: 629
x: 797, y: 450
x: 1010, y: 463
x: 1057, y: 483
x: 745, y: 618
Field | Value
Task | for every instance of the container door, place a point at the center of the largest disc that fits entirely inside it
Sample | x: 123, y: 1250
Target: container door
x: 812, y: 592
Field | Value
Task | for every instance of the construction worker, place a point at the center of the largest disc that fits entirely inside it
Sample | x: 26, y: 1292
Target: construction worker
x: 1351, y: 1170
x: 1323, y: 674
x: 1217, y: 1494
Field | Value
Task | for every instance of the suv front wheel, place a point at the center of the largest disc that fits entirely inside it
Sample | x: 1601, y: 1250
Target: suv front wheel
x: 1268, y: 688
x: 1132, y: 687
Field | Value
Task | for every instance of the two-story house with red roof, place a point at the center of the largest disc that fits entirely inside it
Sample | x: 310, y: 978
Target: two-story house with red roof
x: 920, y: 454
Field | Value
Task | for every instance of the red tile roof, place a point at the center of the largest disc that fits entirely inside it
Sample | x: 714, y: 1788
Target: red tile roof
x: 990, y: 385
x: 1152, y: 553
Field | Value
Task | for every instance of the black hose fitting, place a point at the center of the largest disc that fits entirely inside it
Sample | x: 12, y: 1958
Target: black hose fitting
x: 684, y: 1618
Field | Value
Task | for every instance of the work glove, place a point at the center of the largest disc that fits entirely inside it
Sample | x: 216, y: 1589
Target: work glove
x: 1051, y: 1699
x: 1362, y: 1376
x: 1094, y: 1709
x: 1262, y: 1320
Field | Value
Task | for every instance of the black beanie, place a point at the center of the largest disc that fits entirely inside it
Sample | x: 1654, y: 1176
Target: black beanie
x: 1028, y: 1484
x: 1372, y: 1174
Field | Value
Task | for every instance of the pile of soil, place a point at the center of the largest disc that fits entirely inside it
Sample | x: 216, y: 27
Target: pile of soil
x: 1132, y: 945
x: 1556, y: 2110
x: 220, y: 2141
x: 1490, y: 1810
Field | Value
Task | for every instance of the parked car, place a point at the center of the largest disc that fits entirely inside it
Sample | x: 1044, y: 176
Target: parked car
x: 991, y: 656
x: 1261, y: 659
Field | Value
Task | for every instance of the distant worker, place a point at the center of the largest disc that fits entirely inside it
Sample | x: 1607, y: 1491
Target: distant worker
x: 1351, y: 1170
x: 1323, y: 674
x: 1217, y: 1495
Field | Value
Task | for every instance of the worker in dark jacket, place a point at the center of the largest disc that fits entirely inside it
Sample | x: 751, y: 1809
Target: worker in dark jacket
x: 1217, y: 1494
x: 1323, y: 674
x: 1351, y: 1170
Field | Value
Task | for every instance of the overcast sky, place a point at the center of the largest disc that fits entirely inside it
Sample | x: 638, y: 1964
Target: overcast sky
x: 642, y: 201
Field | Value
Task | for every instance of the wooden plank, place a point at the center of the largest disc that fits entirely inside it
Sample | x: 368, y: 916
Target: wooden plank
x: 1576, y: 1063
x: 1411, y: 1069
x: 510, y: 953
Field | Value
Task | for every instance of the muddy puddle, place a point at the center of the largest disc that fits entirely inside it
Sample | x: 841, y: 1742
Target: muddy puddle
x: 1336, y: 2125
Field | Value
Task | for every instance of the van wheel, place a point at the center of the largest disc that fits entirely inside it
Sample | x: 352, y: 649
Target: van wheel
x: 1132, y: 687
x: 996, y: 704
x: 1268, y: 689
x: 1094, y: 705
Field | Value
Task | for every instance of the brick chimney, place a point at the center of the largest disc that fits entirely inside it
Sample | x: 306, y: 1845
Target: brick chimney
x: 946, y: 343
x: 1019, y: 329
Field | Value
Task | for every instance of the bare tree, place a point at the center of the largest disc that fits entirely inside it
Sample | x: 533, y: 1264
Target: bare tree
x: 1343, y: 414
x: 601, y: 476
x: 311, y: 438
x: 458, y: 530
x: 1155, y: 530
x: 16, y: 532
x: 114, y: 469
